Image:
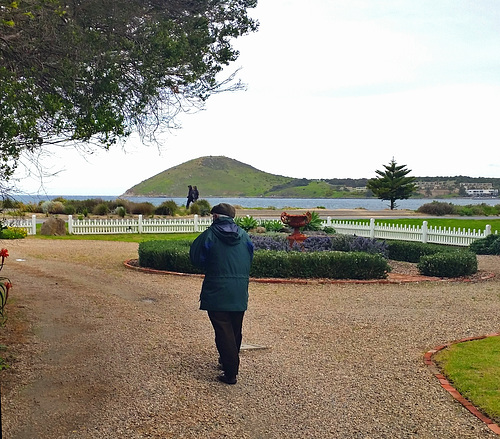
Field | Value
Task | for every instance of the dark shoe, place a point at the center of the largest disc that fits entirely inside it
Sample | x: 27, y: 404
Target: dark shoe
x: 227, y: 379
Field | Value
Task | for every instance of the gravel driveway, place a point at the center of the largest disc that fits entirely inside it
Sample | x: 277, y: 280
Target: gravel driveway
x: 101, y: 351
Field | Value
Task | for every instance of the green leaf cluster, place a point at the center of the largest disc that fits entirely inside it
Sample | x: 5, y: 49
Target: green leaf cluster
x: 97, y: 71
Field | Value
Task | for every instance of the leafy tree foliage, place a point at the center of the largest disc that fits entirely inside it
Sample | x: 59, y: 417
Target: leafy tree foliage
x: 393, y: 183
x: 95, y: 71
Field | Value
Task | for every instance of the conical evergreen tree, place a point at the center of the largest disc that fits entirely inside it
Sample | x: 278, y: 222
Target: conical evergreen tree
x: 393, y: 183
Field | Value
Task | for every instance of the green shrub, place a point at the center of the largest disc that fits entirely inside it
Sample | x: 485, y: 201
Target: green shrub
x: 166, y: 255
x: 204, y: 207
x: 120, y: 211
x: 194, y: 209
x: 486, y: 246
x: 437, y: 208
x: 69, y: 209
x: 13, y: 233
x: 167, y: 208
x: 7, y: 203
x: 316, y: 222
x: 46, y: 207
x: 328, y: 265
x: 145, y: 208
x: 273, y: 225
x: 57, y: 207
x: 246, y: 222
x: 329, y: 230
x: 32, y: 208
x: 448, y: 264
x: 466, y: 211
x: 412, y: 251
x: 101, y: 209
x: 341, y: 242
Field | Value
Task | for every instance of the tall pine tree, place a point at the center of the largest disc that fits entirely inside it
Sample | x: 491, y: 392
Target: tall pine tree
x: 393, y: 183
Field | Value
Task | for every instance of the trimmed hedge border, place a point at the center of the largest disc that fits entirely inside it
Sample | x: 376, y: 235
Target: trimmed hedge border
x: 432, y: 260
x: 174, y: 256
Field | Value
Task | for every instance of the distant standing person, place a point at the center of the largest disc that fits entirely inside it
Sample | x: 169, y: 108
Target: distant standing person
x: 196, y: 194
x: 189, y: 196
x: 224, y: 251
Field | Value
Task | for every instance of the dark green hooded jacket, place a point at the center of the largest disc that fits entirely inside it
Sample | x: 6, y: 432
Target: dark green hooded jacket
x: 224, y: 251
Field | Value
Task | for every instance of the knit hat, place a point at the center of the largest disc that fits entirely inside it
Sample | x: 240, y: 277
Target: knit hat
x: 224, y: 209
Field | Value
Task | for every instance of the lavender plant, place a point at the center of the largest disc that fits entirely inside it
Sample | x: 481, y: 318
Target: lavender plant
x: 267, y: 242
x: 317, y: 244
x: 368, y: 245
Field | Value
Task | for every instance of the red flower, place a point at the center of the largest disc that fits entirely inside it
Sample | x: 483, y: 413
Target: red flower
x: 4, y: 253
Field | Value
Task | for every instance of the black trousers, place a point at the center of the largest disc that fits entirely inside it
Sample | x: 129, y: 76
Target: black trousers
x: 227, y: 326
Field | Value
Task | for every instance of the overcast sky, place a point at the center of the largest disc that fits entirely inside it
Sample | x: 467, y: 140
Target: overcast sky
x: 335, y: 89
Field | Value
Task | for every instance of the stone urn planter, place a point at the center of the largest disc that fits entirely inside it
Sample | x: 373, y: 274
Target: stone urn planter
x: 296, y: 222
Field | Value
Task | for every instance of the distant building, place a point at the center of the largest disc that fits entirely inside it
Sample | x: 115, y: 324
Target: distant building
x: 482, y: 192
x: 473, y: 186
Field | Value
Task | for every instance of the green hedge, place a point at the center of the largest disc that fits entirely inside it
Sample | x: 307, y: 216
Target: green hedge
x: 326, y: 264
x: 174, y: 256
x: 448, y: 264
x: 431, y: 259
x: 486, y: 246
x: 166, y: 255
x: 413, y: 251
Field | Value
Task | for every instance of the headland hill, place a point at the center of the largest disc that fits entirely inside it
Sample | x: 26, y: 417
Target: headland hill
x: 223, y: 177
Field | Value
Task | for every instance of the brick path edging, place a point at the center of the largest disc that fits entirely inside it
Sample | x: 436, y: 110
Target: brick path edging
x: 392, y: 278
x: 446, y: 385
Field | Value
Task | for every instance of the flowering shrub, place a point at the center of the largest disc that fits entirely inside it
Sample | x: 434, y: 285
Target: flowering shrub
x: 13, y: 233
x: 5, y: 286
x: 317, y: 244
x: 266, y: 242
x: 361, y: 244
x: 346, y: 243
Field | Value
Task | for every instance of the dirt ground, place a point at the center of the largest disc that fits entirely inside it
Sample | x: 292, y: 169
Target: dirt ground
x: 101, y: 351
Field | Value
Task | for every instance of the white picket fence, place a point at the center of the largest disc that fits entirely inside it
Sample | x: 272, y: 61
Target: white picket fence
x: 371, y: 229
x: 425, y: 233
x: 27, y: 224
x: 137, y: 225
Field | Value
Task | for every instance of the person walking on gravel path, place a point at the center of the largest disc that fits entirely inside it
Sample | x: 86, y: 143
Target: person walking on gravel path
x: 225, y: 252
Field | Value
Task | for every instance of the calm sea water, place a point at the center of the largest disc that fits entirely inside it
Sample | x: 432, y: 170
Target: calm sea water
x: 280, y: 203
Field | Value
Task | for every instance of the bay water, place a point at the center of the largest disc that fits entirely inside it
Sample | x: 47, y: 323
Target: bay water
x: 279, y: 203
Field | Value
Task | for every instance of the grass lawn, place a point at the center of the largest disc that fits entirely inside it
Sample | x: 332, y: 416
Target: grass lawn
x: 457, y: 223
x: 473, y: 368
x: 122, y: 237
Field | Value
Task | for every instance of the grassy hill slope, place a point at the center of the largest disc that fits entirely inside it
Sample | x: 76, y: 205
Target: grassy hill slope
x: 218, y: 176
x: 215, y: 177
